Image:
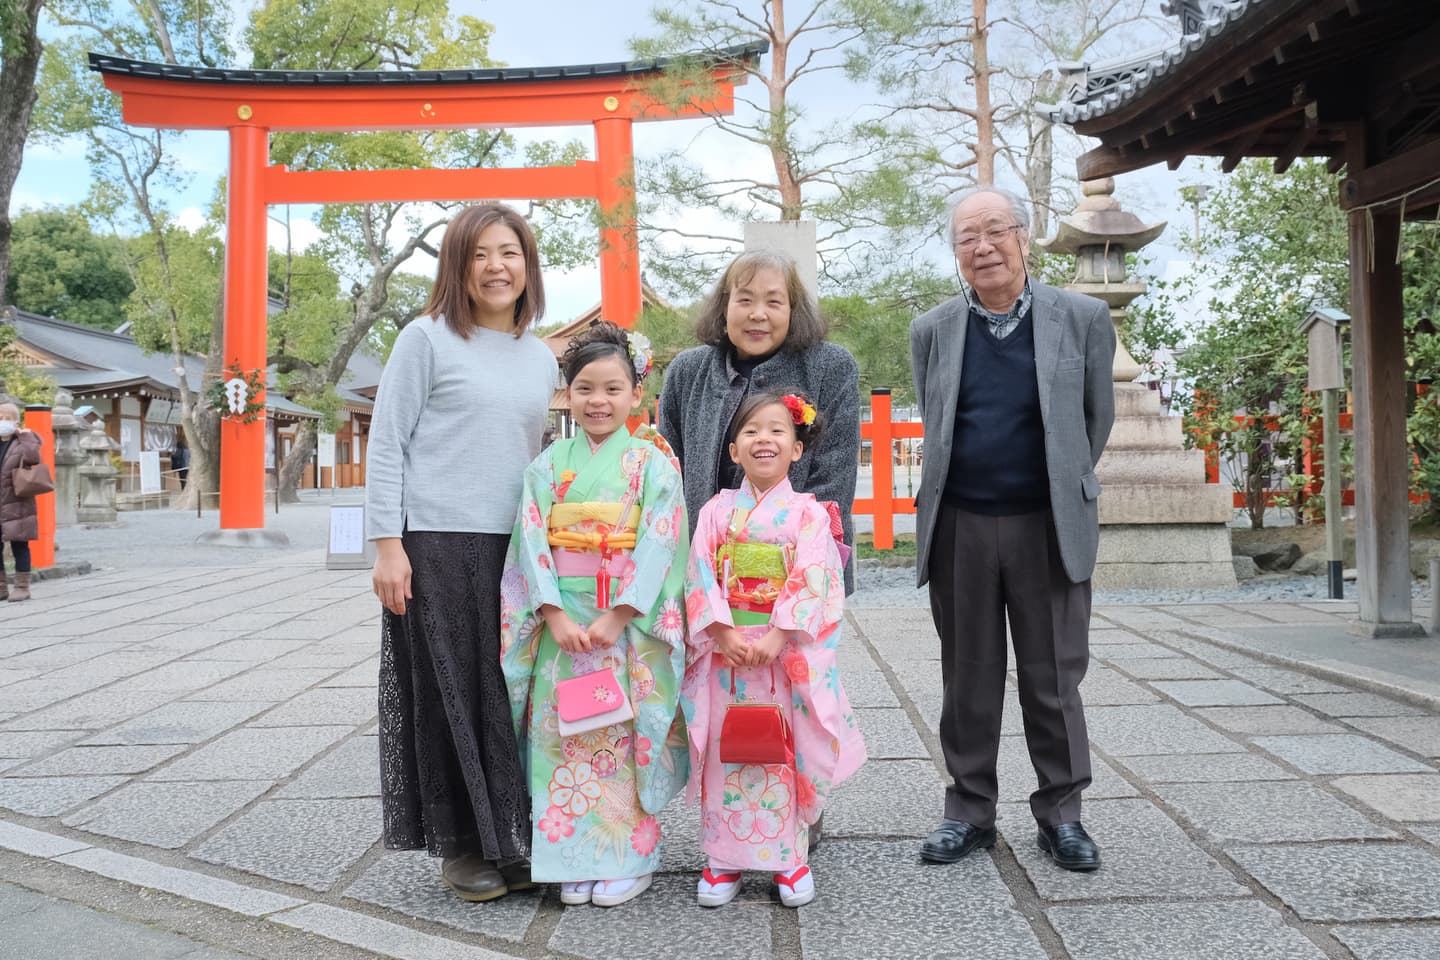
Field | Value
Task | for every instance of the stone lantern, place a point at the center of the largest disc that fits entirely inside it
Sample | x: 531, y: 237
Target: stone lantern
x: 1161, y: 524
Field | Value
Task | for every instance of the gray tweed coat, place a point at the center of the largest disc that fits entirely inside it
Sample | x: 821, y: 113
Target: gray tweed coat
x: 702, y: 392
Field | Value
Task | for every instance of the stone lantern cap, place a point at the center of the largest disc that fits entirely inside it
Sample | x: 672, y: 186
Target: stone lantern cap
x: 1098, y: 221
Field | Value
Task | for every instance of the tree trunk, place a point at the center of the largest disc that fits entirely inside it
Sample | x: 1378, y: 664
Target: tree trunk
x: 984, y: 113
x: 202, y: 426
x: 790, y: 207
x: 293, y: 467
x: 1040, y: 169
x: 17, y: 100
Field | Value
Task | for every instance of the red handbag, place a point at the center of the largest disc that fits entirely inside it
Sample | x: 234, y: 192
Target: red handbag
x: 756, y: 732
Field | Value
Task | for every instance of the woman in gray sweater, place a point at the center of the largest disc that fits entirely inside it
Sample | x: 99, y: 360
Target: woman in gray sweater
x: 460, y: 412
x: 762, y: 330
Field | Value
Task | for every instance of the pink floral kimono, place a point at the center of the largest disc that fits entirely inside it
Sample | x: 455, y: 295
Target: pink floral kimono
x: 753, y: 566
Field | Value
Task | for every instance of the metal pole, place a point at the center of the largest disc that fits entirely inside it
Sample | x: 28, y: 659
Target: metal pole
x: 1334, y: 483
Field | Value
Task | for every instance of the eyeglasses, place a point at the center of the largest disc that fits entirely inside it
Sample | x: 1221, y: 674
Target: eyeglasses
x: 967, y: 242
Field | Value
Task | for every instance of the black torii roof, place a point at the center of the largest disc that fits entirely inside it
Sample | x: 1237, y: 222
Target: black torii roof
x: 120, y: 66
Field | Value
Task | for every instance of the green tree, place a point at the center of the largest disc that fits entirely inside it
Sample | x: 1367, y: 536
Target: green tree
x: 874, y: 326
x: 20, y: 52
x: 61, y: 268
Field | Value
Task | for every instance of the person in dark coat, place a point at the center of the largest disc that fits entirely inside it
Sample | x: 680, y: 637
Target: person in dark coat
x: 762, y: 330
x: 18, y: 521
x: 180, y: 457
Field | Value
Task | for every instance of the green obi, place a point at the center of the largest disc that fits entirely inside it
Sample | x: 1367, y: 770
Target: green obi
x: 754, y: 561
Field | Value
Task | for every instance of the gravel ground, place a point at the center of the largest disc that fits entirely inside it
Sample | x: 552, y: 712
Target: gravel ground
x: 881, y: 586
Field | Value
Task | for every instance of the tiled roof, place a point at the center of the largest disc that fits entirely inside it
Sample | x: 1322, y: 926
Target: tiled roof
x: 1107, y: 87
x: 390, y: 78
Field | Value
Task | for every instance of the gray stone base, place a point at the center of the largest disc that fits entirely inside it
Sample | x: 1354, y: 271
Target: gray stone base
x: 1159, y: 555
x: 1387, y: 631
x: 65, y: 568
x: 254, y: 538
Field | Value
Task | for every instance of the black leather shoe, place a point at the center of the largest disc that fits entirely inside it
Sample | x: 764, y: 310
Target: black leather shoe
x: 473, y: 878
x: 517, y: 876
x: 954, y: 839
x: 1070, y: 846
x: 816, y: 830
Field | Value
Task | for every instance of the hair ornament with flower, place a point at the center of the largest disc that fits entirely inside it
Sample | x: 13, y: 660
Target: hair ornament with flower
x: 642, y: 357
x: 801, y: 410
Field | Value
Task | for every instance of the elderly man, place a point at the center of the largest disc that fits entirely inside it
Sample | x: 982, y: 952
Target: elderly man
x: 1014, y: 384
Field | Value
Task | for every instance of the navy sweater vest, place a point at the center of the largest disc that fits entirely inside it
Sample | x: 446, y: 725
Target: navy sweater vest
x: 997, y: 460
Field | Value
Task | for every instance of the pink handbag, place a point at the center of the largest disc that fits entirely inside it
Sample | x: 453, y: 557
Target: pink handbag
x: 592, y: 701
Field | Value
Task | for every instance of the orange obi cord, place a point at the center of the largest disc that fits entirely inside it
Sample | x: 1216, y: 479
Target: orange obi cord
x: 581, y: 540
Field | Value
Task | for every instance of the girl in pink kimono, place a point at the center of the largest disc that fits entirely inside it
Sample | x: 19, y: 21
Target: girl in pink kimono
x: 764, y: 596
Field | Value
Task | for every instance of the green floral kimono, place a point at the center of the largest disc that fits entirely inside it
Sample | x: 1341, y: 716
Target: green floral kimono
x: 594, y: 796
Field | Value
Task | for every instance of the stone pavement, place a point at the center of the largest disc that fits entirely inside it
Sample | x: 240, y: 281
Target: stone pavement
x: 188, y: 769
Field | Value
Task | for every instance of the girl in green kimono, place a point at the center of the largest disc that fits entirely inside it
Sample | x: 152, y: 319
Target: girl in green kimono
x: 593, y: 588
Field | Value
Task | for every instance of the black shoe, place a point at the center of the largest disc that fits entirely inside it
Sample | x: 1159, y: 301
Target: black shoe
x: 473, y: 878
x: 517, y: 876
x: 954, y: 839
x: 816, y: 829
x: 1070, y: 846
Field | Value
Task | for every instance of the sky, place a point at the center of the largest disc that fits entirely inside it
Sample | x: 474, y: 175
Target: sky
x: 554, y: 32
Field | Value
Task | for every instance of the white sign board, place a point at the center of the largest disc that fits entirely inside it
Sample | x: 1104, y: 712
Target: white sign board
x: 348, y: 548
x: 354, y: 440
x: 129, y: 440
x: 150, y: 471
x: 325, y: 447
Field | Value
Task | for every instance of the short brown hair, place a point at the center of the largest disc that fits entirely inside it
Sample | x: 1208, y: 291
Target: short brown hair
x: 807, y: 326
x: 450, y: 298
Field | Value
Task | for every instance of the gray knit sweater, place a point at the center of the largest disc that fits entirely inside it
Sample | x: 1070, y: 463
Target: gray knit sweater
x: 456, y: 421
x: 702, y: 392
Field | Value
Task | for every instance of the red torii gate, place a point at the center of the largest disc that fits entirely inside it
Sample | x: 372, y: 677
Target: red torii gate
x: 252, y: 103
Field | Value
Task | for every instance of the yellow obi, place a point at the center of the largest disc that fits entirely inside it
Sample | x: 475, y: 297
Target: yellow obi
x: 755, y: 576
x: 599, y: 518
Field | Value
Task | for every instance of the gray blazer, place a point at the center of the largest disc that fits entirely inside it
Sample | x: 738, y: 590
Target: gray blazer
x: 1074, y: 353
x: 697, y: 405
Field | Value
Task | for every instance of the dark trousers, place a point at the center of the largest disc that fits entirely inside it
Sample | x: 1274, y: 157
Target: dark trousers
x: 984, y: 570
x: 20, y: 550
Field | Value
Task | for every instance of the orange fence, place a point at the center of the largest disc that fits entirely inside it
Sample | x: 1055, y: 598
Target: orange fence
x: 882, y: 432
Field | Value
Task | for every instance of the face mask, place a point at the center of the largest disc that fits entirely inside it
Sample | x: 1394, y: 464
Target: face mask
x: 7, y: 428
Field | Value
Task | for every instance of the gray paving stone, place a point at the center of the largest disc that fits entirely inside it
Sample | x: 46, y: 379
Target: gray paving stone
x: 52, y: 796
x: 308, y: 842
x: 1016, y: 775
x: 1404, y: 797
x: 183, y: 721
x: 1285, y: 682
x: 166, y: 814
x: 887, y: 798
x: 1274, y: 721
x: 1169, y: 668
x: 251, y: 649
x: 1269, y: 812
x: 264, y: 684
x: 1235, y: 930
x: 739, y: 931
x: 120, y: 663
x: 365, y: 674
x: 869, y: 689
x: 1429, y: 832
x: 1105, y: 687
x: 36, y: 843
x: 91, y: 761
x: 335, y: 705
x: 1131, y: 731
x: 409, y: 882
x: 1134, y: 651
x: 1357, y: 705
x: 889, y: 735
x: 326, y: 654
x: 680, y: 837
x: 1143, y: 854
x: 1206, y: 768
x: 378, y: 936
x: 269, y: 753
x: 92, y: 711
x: 183, y: 676
x: 51, y: 656
x: 857, y: 913
x: 1347, y: 882
x: 1389, y: 942
x: 1417, y: 734
x: 34, y: 743
x: 50, y: 929
x: 1215, y: 693
x: 8, y: 676
x: 1339, y: 753
x: 350, y: 770
x: 189, y: 884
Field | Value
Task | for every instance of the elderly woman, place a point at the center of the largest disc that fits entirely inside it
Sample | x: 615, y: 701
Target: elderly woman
x: 762, y: 331
x: 18, y: 522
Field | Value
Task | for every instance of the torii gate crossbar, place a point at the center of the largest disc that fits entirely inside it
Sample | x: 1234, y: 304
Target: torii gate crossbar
x: 250, y: 104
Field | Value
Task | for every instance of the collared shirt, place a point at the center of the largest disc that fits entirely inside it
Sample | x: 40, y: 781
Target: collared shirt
x: 1002, y: 324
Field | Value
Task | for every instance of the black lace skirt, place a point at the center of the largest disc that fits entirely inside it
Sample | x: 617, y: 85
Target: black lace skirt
x: 450, y: 771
